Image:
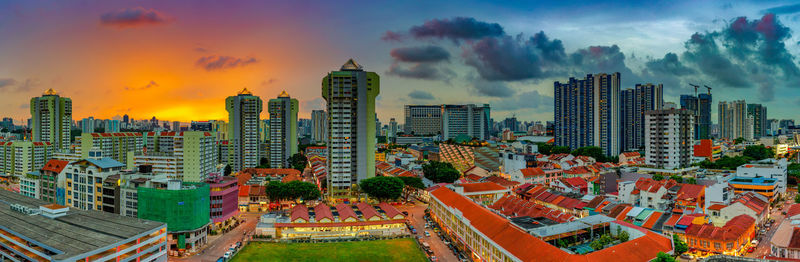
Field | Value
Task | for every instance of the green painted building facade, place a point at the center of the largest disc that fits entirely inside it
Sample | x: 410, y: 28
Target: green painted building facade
x: 51, y: 119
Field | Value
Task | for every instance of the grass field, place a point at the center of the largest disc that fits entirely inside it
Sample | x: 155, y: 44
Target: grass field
x: 404, y: 249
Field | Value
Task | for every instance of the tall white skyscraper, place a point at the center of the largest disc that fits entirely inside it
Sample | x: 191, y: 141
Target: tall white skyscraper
x: 244, y: 112
x: 350, y: 94
x: 282, y: 129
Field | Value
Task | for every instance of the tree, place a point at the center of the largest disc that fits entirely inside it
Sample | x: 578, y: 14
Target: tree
x: 596, y: 245
x: 590, y: 151
x: 623, y: 236
x: 276, y: 191
x: 658, y: 177
x: 302, y: 190
x: 677, y: 178
x: 411, y: 183
x: 692, y: 181
x: 440, y: 172
x: 663, y: 257
x: 382, y: 188
x: 797, y: 199
x: 738, y: 140
x: 298, y: 161
x: 228, y: 170
x: 680, y: 246
x: 758, y: 152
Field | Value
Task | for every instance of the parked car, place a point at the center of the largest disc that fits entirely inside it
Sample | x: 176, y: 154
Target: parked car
x: 227, y: 255
x: 754, y: 242
x: 427, y: 234
x: 434, y: 259
x: 751, y: 249
x: 687, y: 256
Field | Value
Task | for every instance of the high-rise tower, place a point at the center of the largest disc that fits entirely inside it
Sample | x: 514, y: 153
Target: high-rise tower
x: 282, y: 129
x: 350, y: 94
x: 244, y: 112
x: 51, y: 119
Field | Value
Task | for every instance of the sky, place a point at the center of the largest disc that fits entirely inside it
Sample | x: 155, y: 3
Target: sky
x: 179, y: 60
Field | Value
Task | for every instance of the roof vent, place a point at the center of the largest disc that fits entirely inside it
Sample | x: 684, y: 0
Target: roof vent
x: 24, y: 209
x: 53, y: 210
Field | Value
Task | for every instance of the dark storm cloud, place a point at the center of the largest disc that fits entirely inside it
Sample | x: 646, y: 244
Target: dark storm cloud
x: 424, y: 71
x: 458, y: 28
x: 133, y: 17
x: 420, y: 54
x: 515, y: 58
x: 215, y: 62
x: 421, y: 95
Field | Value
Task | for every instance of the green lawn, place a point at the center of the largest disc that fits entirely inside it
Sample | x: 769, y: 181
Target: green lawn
x: 404, y: 249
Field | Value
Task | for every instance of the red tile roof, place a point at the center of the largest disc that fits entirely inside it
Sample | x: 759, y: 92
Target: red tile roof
x: 258, y: 190
x: 322, y: 211
x: 690, y: 192
x: 532, y: 172
x: 367, y: 211
x: 300, y: 212
x: 340, y: 224
x: 501, y: 181
x: 482, y: 187
x: 716, y: 207
x: 793, y: 210
x: 345, y: 211
x: 55, y: 166
x: 390, y: 211
x: 575, y: 182
x: 732, y: 230
x: 672, y: 220
x: 794, y: 242
x: 244, y: 190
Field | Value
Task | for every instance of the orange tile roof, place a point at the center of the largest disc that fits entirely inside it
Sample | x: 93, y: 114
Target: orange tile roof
x: 716, y: 207
x: 55, y: 166
x: 732, y: 230
x: 521, y: 244
x: 672, y: 220
x: 341, y: 224
x: 651, y: 221
x: 244, y: 190
x: 532, y: 171
x: 501, y: 181
x: 482, y: 187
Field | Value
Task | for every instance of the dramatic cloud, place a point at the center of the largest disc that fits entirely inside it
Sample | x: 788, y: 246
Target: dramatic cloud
x: 421, y: 71
x: 149, y: 85
x: 530, y: 99
x: 421, y: 95
x: 784, y: 9
x: 215, y: 62
x: 514, y: 58
x: 420, y: 54
x: 492, y: 89
x: 133, y: 17
x: 456, y: 29
x: 7, y: 82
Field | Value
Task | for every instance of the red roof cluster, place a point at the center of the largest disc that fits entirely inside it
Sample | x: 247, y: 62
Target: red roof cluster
x: 793, y: 210
x: 532, y: 172
x: 300, y: 212
x: 752, y: 201
x: 516, y: 207
x: 345, y: 211
x: 690, y: 191
x: 526, y: 247
x: 732, y: 230
x: 501, y: 181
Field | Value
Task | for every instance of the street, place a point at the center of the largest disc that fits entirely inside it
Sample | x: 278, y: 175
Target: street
x: 763, y: 248
x: 219, y: 244
x: 416, y: 214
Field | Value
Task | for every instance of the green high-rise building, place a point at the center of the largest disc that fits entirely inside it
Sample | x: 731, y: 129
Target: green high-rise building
x: 282, y: 129
x: 350, y: 94
x: 51, y: 119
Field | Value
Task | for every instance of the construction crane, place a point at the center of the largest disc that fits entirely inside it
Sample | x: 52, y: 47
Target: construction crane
x: 709, y: 89
x: 695, y: 88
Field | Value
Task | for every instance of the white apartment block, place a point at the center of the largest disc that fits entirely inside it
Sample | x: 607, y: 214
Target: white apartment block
x: 669, y: 138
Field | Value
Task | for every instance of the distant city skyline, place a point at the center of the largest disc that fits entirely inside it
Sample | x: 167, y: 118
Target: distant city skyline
x: 151, y: 58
